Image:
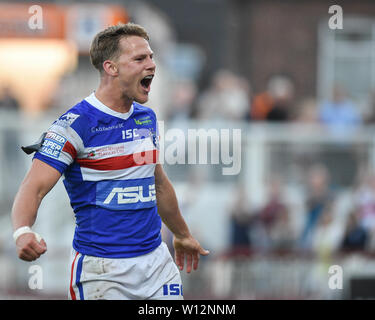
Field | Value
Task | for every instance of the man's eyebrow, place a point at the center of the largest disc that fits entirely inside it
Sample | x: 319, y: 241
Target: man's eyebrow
x: 143, y: 55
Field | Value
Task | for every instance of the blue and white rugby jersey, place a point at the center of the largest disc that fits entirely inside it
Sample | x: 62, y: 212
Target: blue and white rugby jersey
x: 108, y: 161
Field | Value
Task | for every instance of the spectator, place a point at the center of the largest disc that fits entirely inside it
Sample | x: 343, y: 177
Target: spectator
x: 275, y: 218
x: 355, y: 236
x: 227, y: 98
x: 261, y: 105
x: 240, y: 222
x: 365, y: 201
x: 274, y: 105
x: 282, y: 92
x: 319, y: 202
x: 339, y: 113
x: 307, y: 112
x: 183, y: 98
x: 327, y: 234
x: 282, y: 234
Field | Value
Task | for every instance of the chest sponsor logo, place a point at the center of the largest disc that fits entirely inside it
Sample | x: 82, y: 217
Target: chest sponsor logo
x: 143, y: 121
x: 131, y: 195
x: 107, y: 151
x: 126, y: 195
x: 53, y: 145
x: 108, y: 128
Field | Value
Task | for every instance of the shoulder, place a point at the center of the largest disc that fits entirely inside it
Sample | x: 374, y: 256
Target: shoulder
x: 77, y: 117
x: 77, y: 113
x: 72, y: 124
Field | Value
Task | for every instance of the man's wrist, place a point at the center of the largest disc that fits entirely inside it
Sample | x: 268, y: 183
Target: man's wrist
x: 182, y: 235
x: 22, y: 230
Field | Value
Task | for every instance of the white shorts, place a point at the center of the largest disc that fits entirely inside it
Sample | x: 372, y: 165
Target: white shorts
x: 151, y: 276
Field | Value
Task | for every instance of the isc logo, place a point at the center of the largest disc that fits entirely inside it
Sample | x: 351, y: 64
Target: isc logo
x: 173, y: 289
x: 131, y: 195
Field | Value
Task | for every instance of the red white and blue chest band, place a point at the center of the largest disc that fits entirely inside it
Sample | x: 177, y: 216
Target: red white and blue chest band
x: 108, y: 162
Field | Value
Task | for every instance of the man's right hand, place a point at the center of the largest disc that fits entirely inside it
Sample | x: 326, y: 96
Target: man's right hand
x: 28, y: 247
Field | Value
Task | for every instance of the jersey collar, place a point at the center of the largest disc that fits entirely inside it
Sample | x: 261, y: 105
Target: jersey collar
x: 94, y: 101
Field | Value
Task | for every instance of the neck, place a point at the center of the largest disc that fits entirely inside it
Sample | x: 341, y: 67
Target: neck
x: 109, y: 94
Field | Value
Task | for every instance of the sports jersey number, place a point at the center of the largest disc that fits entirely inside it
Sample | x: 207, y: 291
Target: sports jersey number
x: 173, y: 289
x: 129, y: 134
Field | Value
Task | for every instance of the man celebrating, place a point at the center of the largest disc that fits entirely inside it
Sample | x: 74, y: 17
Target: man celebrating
x: 106, y: 147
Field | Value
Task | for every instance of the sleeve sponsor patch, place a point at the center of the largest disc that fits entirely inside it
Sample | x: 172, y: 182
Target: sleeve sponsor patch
x: 53, y: 145
x: 66, y: 120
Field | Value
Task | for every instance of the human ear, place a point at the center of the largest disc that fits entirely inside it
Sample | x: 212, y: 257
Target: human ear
x: 110, y: 68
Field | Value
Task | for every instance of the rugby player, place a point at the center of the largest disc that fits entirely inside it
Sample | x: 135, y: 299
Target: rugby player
x: 106, y: 147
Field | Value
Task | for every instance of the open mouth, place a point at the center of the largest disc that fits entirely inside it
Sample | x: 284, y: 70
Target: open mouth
x: 146, y: 82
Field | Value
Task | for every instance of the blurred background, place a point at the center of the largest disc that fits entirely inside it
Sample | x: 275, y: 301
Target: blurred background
x: 302, y: 94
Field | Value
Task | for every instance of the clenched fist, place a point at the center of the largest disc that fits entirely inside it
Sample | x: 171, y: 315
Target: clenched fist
x: 28, y: 247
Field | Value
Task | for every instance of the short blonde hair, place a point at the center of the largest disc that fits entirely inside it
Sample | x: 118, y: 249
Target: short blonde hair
x: 105, y: 44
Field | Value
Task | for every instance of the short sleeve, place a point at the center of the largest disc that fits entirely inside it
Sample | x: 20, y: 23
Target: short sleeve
x: 61, y: 143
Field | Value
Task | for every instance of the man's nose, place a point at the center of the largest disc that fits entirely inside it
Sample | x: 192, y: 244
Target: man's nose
x: 151, y: 64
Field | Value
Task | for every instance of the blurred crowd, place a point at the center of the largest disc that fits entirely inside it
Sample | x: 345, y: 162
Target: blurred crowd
x: 325, y: 229
x: 230, y: 96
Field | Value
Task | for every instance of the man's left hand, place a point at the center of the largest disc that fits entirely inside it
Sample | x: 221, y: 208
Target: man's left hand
x: 188, y: 248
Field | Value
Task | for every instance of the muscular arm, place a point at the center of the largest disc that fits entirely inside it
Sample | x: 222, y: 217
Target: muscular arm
x: 184, y: 243
x: 38, y: 182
